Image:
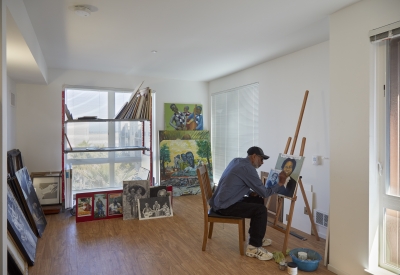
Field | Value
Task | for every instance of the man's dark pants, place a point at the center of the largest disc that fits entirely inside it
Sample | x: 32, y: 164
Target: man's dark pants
x: 252, y: 208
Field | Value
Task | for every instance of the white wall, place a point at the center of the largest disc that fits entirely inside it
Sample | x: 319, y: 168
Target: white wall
x: 282, y: 84
x: 350, y: 78
x: 11, y: 116
x: 39, y: 117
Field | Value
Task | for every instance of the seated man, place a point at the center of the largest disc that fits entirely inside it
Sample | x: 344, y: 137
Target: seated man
x: 240, y: 178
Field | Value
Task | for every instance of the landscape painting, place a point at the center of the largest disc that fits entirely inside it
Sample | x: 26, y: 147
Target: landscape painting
x: 181, y: 152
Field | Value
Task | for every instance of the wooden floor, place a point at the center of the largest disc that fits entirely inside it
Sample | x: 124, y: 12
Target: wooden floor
x: 158, y: 246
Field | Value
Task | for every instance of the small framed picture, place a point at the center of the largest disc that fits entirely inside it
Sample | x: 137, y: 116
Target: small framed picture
x: 156, y: 207
x: 85, y: 207
x: 100, y: 206
x: 47, y: 189
x: 115, y: 204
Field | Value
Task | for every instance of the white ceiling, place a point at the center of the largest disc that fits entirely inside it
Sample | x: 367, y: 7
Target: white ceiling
x: 195, y: 40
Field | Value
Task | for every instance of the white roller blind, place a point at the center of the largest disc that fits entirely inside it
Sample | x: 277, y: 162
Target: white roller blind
x: 234, y: 125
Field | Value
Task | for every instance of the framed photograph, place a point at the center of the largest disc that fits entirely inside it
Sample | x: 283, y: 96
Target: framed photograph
x: 273, y: 178
x: 133, y: 190
x: 15, y: 260
x: 32, y: 201
x: 20, y: 230
x: 84, y: 207
x: 115, y: 204
x: 47, y: 189
x: 100, y: 203
x: 156, y: 207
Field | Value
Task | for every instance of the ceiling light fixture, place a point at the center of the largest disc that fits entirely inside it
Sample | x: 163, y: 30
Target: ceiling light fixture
x: 82, y: 11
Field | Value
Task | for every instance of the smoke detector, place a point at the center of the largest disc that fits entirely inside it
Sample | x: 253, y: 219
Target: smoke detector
x: 82, y: 11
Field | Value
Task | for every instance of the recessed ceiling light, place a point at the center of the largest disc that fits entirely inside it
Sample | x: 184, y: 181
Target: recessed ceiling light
x: 82, y: 11
x: 153, y: 51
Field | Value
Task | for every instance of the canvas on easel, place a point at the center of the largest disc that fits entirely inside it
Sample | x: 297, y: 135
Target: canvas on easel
x: 291, y: 165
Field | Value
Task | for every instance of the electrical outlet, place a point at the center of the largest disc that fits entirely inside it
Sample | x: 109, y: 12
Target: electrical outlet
x: 305, y: 211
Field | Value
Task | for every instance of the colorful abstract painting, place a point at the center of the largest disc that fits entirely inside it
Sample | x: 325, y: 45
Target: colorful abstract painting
x: 183, y: 117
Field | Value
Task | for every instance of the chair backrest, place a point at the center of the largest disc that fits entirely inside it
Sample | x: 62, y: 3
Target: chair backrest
x: 204, y: 181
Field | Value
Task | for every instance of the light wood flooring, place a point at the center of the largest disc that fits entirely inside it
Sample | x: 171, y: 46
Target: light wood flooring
x: 158, y: 246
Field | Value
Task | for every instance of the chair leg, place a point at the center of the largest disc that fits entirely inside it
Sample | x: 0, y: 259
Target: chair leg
x: 211, y: 230
x: 244, y: 230
x: 205, y: 235
x: 241, y: 234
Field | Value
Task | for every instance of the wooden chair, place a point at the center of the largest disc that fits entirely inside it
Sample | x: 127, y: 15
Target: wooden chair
x: 211, y: 216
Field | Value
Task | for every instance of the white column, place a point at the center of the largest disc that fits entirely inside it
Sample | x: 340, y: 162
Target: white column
x: 3, y: 147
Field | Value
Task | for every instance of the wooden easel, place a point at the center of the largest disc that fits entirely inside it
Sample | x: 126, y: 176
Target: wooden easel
x: 300, y: 184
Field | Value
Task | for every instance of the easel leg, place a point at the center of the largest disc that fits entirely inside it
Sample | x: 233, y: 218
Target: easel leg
x: 314, y: 227
x: 288, y: 226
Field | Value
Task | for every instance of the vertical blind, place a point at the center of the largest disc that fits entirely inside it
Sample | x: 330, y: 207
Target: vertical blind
x: 234, y: 125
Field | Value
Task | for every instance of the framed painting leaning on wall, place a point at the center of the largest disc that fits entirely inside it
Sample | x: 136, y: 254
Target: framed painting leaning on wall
x: 47, y: 189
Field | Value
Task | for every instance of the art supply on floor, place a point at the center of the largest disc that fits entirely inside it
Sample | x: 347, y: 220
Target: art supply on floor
x: 292, y: 268
x: 302, y: 255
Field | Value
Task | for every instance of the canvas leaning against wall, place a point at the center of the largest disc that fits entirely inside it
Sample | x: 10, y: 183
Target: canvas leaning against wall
x: 19, y: 229
x: 133, y: 190
x: 292, y: 166
x: 181, y: 152
x: 183, y: 116
x: 32, y: 201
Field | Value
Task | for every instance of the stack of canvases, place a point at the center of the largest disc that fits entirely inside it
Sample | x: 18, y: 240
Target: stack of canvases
x: 184, y: 146
x: 26, y: 221
x: 138, y: 106
x: 144, y: 202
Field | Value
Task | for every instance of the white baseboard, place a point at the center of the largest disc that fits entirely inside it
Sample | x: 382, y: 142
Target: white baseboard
x: 336, y: 271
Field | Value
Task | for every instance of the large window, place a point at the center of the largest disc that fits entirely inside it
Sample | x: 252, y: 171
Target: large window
x: 391, y: 192
x: 387, y: 151
x: 108, y: 169
x: 234, y: 125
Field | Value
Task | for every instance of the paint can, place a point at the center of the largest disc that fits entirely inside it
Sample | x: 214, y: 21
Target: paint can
x: 292, y: 268
x: 282, y: 265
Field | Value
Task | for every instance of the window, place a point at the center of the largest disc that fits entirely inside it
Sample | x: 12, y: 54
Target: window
x: 386, y: 136
x: 99, y: 170
x: 390, y: 252
x: 234, y: 125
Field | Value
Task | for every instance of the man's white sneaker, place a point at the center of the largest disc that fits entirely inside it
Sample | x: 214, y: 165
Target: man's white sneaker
x: 259, y: 253
x: 266, y: 242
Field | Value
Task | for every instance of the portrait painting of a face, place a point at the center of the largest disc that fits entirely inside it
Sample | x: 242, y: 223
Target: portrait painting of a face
x: 291, y: 165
